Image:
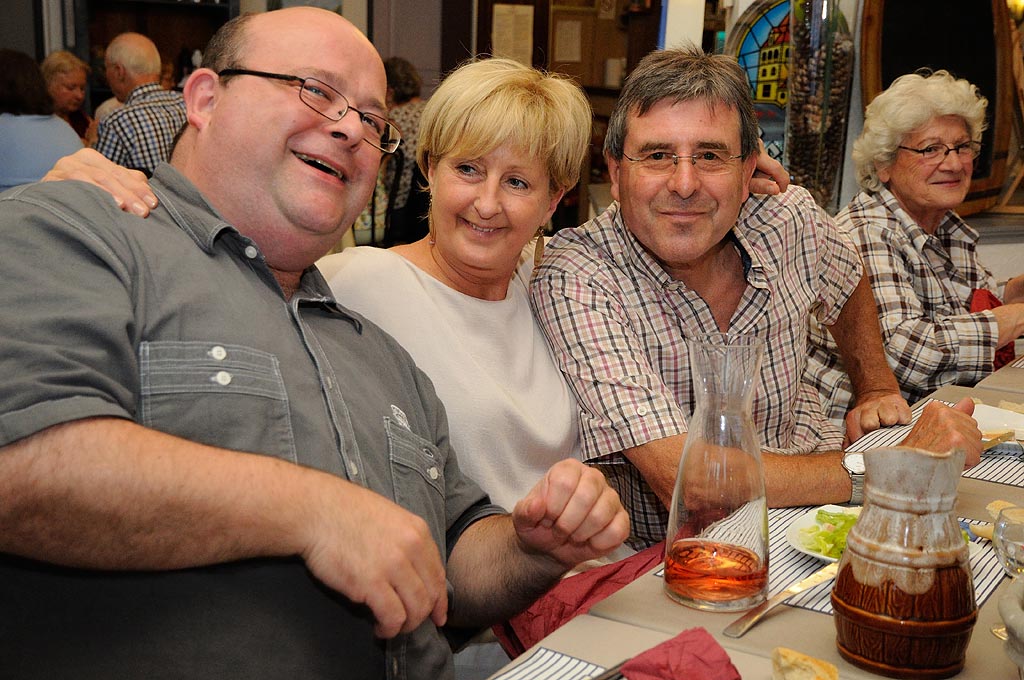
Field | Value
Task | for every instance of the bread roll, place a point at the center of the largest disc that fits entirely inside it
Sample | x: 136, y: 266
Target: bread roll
x: 788, y: 664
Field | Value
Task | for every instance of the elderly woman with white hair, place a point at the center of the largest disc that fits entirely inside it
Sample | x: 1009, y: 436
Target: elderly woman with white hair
x: 942, y: 322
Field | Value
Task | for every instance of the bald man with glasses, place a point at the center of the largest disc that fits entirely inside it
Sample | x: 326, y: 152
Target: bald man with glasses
x: 209, y: 468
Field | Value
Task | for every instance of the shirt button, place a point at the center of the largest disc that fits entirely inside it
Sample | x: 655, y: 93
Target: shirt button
x: 251, y: 252
x: 218, y: 353
x: 353, y: 471
x: 432, y: 472
x: 222, y: 378
x: 641, y: 410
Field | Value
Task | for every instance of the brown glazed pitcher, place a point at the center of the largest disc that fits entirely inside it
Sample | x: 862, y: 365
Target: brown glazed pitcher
x: 904, y: 597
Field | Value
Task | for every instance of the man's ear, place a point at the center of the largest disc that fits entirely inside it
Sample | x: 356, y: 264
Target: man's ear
x: 200, y: 93
x: 749, y: 166
x: 614, y: 165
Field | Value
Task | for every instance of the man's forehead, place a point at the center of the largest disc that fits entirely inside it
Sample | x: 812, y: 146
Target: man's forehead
x: 726, y: 117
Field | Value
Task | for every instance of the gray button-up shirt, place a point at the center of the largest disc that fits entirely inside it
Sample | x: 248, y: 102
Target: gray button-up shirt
x: 177, y: 323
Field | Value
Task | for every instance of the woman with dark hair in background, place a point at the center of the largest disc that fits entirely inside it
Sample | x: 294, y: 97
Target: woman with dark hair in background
x: 31, y: 137
x: 408, y: 200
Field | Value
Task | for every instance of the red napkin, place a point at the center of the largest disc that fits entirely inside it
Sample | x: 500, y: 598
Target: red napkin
x: 693, y: 654
x: 571, y: 597
x: 981, y: 300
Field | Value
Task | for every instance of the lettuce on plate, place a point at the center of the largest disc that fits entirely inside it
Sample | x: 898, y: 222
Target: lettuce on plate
x: 828, y: 535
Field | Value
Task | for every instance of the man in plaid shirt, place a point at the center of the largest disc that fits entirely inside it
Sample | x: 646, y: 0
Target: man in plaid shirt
x: 139, y: 135
x: 682, y: 252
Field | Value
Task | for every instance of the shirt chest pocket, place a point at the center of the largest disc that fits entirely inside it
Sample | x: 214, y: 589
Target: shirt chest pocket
x: 417, y: 472
x: 223, y: 395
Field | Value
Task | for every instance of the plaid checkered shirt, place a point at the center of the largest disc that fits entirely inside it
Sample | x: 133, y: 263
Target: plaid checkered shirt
x: 618, y: 323
x: 139, y: 134
x: 922, y: 285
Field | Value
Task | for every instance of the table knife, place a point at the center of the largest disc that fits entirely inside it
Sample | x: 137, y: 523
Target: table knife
x: 741, y: 625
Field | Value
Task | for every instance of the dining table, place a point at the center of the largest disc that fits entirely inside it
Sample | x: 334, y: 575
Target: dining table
x: 1009, y: 378
x: 641, y: 615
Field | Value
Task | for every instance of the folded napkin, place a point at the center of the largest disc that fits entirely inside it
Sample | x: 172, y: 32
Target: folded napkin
x: 982, y: 299
x: 693, y: 654
x: 571, y: 597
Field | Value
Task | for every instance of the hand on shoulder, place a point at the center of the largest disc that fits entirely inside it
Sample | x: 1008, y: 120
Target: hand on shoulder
x: 130, y: 188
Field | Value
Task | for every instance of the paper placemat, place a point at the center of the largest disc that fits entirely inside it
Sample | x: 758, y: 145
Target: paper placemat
x: 547, y: 664
x: 1018, y: 362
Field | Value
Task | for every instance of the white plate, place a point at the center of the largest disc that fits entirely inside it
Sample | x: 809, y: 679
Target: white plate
x: 809, y: 519
x: 992, y: 419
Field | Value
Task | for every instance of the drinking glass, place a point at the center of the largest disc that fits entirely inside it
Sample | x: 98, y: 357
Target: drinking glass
x: 1008, y: 540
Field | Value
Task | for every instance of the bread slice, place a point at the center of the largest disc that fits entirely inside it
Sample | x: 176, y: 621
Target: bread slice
x: 788, y: 664
x: 995, y: 506
x: 983, y: 530
x: 1011, y: 406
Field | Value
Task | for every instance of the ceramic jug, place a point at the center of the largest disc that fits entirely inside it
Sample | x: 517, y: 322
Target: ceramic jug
x: 904, y: 596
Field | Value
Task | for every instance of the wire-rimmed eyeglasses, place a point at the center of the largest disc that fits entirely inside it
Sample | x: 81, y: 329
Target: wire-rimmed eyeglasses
x: 936, y: 153
x: 708, y: 162
x: 331, y: 104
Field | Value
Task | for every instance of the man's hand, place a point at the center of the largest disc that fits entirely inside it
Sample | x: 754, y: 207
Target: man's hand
x: 130, y: 188
x: 571, y: 514
x: 875, y: 410
x: 375, y: 552
x: 769, y: 175
x: 941, y: 428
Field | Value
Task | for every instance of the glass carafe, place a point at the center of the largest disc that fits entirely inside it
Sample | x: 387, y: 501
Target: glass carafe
x: 716, y: 552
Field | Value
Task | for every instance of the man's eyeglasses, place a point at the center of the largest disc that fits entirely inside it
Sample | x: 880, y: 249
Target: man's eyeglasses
x: 331, y: 104
x: 936, y: 153
x: 709, y: 162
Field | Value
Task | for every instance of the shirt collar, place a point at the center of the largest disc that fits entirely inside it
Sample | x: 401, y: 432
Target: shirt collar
x: 952, y: 226
x: 195, y: 216
x: 142, y: 91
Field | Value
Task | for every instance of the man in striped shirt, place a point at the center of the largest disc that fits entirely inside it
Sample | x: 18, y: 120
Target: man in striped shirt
x: 682, y: 252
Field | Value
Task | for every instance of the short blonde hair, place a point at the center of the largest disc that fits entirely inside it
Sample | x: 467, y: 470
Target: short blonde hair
x: 484, y: 105
x: 912, y: 101
x: 60, y: 62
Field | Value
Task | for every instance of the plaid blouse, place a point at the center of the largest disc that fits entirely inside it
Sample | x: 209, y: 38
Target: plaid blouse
x: 618, y: 323
x: 922, y: 285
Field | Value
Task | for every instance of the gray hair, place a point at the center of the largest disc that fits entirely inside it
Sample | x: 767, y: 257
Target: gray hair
x: 911, y: 102
x: 136, y: 53
x: 683, y: 74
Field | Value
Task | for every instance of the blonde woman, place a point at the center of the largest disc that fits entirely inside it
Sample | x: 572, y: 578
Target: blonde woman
x: 65, y: 76
x: 499, y: 144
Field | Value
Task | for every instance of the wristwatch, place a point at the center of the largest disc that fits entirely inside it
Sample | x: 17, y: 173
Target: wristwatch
x: 853, y: 463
